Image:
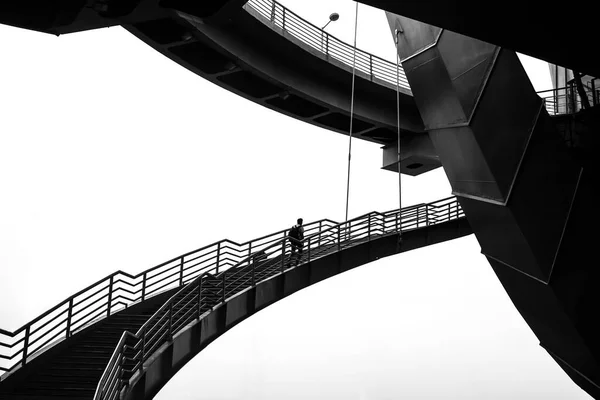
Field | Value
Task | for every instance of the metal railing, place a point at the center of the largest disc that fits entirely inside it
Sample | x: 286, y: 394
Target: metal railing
x: 567, y: 100
x: 120, y: 290
x: 267, y: 258
x: 333, y: 49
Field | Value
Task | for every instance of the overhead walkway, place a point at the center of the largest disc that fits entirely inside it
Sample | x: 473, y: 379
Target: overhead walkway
x: 268, y: 54
x: 326, y: 46
x: 263, y: 52
x: 129, y: 334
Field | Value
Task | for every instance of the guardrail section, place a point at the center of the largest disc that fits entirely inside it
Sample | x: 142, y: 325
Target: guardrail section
x: 567, y: 99
x: 276, y: 15
x: 269, y: 257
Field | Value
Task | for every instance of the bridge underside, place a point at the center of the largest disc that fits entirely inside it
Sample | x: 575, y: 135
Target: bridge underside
x: 244, y: 52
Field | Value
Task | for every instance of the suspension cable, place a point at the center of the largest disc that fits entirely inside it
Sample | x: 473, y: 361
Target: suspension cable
x: 398, y: 121
x: 351, y: 109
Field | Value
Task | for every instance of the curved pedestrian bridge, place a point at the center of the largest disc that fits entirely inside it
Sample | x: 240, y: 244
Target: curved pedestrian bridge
x: 326, y: 46
x: 129, y: 334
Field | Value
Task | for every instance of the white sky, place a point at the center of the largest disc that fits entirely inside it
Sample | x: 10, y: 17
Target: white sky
x: 114, y: 157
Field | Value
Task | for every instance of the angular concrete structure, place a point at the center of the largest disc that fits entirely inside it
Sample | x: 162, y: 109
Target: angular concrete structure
x: 524, y: 191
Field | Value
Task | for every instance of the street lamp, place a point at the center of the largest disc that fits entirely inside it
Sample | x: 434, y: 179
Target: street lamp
x: 332, y: 18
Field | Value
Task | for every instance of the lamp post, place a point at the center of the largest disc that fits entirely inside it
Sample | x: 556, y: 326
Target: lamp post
x: 332, y: 18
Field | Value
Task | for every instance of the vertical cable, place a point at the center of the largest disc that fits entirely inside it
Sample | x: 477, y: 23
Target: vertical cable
x: 398, y: 121
x: 351, y: 110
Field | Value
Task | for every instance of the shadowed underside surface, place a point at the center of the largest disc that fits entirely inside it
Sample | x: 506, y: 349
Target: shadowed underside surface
x: 262, y: 52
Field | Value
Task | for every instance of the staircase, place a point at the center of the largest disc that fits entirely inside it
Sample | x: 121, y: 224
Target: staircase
x: 74, y: 372
x: 93, y: 343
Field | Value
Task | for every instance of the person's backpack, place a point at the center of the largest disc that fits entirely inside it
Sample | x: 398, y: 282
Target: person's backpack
x: 294, y: 232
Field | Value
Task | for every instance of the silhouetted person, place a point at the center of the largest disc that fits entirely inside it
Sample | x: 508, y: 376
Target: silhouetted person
x: 296, y: 235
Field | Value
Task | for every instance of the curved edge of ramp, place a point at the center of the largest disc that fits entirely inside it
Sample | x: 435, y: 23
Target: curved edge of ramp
x: 171, y: 357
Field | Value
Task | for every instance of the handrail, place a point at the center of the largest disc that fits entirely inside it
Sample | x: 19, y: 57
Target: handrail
x: 114, y: 360
x: 567, y: 99
x: 287, y: 22
x: 23, y: 343
x: 210, y: 289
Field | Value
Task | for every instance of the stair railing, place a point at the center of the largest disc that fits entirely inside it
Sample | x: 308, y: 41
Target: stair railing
x: 214, y: 287
x: 120, y: 290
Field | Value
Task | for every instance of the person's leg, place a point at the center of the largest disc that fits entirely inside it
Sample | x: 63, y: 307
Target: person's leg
x: 293, y: 255
x: 299, y: 256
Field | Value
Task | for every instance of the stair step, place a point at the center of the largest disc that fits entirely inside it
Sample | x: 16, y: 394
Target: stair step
x: 90, y: 354
x: 55, y: 389
x: 94, y: 348
x: 125, y: 326
x: 90, y: 360
x: 81, y: 370
x: 91, y: 357
x: 40, y: 397
x: 102, y: 337
x: 83, y: 392
x: 46, y: 377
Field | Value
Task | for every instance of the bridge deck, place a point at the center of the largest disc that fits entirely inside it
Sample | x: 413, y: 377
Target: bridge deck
x: 202, y: 293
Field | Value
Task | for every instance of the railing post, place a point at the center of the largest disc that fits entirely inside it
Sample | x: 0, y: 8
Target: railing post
x: 283, y: 18
x: 110, y: 293
x: 449, y: 211
x: 199, y: 296
x: 273, y: 12
x: 309, y: 239
x: 171, y: 321
x: 26, y: 345
x: 224, y: 273
x: 339, y: 237
x: 144, y: 287
x: 120, y: 381
x: 143, y: 346
x: 369, y: 227
x: 181, y: 271
x: 320, y: 227
x: 371, y: 65
x: 219, y: 253
x: 327, y: 44
x: 249, y: 251
x: 283, y: 253
x: 400, y: 220
x: 69, y: 316
x: 426, y: 215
